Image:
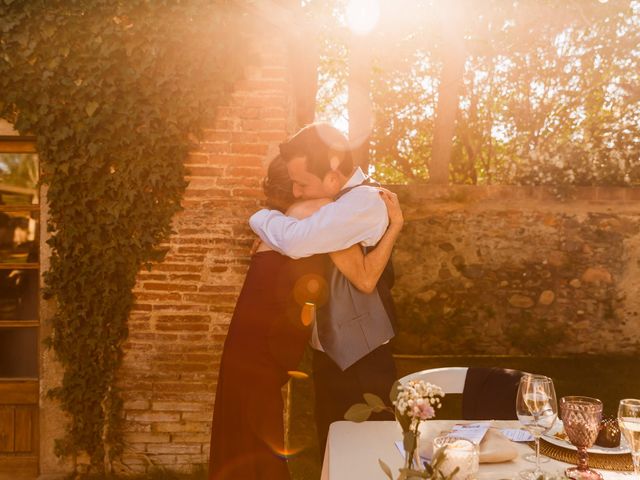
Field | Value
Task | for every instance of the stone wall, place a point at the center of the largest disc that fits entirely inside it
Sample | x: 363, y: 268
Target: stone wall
x: 184, y: 305
x: 518, y: 270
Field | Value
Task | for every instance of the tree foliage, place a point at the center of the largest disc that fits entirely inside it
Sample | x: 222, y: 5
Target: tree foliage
x: 551, y: 90
x: 112, y: 90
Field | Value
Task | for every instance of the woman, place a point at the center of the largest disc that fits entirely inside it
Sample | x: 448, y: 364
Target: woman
x: 268, y: 334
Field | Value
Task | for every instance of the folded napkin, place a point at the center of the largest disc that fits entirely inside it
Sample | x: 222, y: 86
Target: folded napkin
x: 494, y: 447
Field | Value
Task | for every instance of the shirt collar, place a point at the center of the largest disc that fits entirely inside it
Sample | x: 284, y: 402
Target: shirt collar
x: 356, y: 179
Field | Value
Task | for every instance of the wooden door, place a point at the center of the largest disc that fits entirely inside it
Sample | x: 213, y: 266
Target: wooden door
x: 19, y: 312
x: 18, y: 429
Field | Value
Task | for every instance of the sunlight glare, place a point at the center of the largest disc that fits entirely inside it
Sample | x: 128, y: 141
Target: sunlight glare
x: 362, y: 15
x: 360, y: 102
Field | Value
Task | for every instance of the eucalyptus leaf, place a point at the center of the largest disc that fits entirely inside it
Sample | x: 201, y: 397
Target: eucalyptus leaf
x: 358, y: 412
x: 385, y: 468
x: 393, y: 394
x: 375, y: 402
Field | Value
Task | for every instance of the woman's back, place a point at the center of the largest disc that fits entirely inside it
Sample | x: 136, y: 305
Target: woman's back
x: 266, y: 339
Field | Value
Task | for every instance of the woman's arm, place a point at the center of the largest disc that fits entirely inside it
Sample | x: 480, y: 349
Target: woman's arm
x: 364, y: 271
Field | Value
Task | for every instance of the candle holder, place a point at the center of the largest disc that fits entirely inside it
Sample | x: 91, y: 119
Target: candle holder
x: 461, y: 457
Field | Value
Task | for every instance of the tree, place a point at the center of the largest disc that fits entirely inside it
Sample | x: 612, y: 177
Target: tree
x: 548, y: 92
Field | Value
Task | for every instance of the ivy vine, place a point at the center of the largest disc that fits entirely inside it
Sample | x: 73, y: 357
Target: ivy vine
x: 113, y: 90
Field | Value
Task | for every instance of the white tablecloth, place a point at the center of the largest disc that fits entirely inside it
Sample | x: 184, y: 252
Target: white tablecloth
x: 353, y: 450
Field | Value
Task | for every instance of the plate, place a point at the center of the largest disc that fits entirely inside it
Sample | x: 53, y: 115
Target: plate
x: 557, y: 427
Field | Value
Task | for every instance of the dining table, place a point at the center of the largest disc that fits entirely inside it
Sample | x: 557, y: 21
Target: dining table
x: 353, y: 450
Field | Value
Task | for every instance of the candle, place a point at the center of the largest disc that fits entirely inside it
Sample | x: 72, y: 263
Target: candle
x: 460, y: 453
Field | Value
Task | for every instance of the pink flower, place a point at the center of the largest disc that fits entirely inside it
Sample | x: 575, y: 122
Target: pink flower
x: 423, y: 411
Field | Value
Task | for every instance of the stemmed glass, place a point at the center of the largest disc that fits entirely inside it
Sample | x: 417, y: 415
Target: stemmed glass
x: 629, y: 420
x: 581, y: 419
x: 537, y: 410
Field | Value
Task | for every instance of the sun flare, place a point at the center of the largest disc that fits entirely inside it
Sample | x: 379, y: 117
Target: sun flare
x: 362, y: 15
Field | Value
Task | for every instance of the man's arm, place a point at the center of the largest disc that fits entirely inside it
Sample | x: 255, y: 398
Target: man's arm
x: 359, y: 216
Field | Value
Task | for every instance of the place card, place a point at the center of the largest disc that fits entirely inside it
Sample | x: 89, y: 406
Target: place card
x: 473, y: 432
x: 517, y: 435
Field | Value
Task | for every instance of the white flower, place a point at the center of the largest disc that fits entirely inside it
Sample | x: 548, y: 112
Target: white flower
x: 416, y: 399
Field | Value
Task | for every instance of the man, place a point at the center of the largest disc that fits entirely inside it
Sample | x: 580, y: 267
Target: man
x: 320, y: 166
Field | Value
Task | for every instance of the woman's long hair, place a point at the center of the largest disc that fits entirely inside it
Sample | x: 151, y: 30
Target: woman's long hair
x: 277, y: 185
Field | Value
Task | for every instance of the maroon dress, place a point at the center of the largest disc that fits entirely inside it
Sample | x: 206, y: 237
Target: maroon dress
x: 266, y: 340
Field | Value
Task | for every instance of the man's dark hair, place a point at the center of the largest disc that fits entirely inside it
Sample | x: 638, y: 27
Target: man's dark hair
x: 318, y: 143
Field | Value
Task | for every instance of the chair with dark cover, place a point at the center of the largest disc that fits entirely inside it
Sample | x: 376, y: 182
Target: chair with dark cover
x: 490, y: 393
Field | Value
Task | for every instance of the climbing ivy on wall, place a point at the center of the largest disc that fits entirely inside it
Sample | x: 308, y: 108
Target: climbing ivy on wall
x: 113, y: 90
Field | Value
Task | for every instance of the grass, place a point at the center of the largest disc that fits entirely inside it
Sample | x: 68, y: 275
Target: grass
x: 608, y: 378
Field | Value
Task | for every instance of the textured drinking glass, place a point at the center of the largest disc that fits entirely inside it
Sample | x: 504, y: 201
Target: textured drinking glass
x: 581, y: 418
x: 459, y: 453
x: 537, y: 410
x: 629, y: 420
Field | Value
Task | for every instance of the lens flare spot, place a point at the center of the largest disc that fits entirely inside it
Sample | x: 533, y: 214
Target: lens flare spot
x: 288, y: 452
x: 297, y: 375
x: 308, y: 314
x: 311, y: 288
x: 313, y: 285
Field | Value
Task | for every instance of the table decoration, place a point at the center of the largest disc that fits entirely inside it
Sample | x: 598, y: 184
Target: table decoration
x: 414, y: 402
x: 461, y: 458
x: 609, y: 436
x: 629, y: 420
x: 618, y: 462
x: 557, y: 436
x: 581, y: 419
x: 537, y: 411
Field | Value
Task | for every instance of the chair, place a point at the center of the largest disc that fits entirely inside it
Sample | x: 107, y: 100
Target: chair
x: 487, y: 393
x: 450, y: 379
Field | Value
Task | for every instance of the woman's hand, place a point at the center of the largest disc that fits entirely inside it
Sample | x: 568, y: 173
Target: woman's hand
x: 394, y: 211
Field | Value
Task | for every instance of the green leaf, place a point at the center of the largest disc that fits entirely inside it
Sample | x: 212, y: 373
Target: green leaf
x: 358, y: 412
x: 452, y: 475
x: 102, y: 228
x: 385, y: 468
x: 393, y: 394
x: 375, y: 402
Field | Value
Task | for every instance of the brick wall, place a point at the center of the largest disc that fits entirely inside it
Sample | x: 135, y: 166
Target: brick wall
x: 184, y: 304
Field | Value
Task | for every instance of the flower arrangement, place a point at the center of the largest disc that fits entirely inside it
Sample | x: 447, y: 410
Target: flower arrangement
x: 413, y: 402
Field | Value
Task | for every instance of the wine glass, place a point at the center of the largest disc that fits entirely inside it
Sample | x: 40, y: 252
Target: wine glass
x: 537, y: 410
x: 581, y: 419
x: 629, y: 420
